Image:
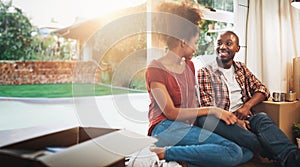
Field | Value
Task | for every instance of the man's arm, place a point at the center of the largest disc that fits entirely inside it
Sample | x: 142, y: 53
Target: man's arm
x: 256, y: 93
x: 244, y: 111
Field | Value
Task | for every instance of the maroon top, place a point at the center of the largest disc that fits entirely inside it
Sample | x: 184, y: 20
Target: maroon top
x: 181, y: 88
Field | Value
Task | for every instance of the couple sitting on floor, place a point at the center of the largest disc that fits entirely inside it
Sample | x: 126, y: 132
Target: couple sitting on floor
x: 183, y: 123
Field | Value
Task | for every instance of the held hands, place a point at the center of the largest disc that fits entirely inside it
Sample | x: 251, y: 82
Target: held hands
x: 228, y: 117
x: 242, y: 112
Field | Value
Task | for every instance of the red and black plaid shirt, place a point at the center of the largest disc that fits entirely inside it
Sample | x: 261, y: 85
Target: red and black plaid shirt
x: 214, y: 91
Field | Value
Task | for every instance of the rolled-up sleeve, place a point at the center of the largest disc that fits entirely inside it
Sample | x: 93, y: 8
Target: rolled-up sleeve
x: 255, y: 85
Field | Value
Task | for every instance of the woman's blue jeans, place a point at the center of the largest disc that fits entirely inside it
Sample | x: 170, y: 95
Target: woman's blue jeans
x: 264, y: 136
x: 196, y: 146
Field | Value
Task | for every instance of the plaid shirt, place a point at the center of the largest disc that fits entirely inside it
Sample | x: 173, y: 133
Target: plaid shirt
x: 213, y: 88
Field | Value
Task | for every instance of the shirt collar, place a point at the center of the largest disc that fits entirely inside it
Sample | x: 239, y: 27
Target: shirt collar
x: 214, y: 67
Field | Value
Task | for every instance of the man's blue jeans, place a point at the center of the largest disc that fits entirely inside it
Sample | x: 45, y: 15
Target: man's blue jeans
x: 196, y: 146
x: 264, y: 136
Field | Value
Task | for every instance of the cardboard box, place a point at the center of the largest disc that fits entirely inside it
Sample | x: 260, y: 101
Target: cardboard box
x: 284, y: 114
x: 79, y: 146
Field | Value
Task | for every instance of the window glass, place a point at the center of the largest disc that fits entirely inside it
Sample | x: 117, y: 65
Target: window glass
x: 217, y: 19
x: 210, y: 29
x: 225, y: 5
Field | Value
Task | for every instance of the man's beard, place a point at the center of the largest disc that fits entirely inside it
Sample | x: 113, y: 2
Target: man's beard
x: 224, y: 61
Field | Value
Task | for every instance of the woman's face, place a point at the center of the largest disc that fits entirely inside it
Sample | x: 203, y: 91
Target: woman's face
x: 191, y: 47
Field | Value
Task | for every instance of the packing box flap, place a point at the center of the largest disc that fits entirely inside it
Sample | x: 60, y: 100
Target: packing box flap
x: 81, y: 146
x: 100, y: 151
x: 12, y: 136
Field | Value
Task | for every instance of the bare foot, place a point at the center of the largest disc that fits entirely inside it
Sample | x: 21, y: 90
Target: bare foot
x: 160, y: 152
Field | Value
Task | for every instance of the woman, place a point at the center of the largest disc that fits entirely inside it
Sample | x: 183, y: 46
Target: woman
x: 171, y: 86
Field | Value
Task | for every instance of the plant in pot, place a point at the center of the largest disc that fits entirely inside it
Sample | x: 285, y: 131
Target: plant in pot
x: 296, y: 130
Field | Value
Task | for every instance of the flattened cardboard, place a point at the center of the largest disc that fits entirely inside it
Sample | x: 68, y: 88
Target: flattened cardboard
x: 12, y: 136
x: 100, y: 151
x: 84, y: 146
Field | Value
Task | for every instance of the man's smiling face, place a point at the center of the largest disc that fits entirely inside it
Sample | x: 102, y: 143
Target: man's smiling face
x: 227, y: 46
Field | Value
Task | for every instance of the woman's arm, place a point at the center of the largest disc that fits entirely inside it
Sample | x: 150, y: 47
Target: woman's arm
x: 165, y: 103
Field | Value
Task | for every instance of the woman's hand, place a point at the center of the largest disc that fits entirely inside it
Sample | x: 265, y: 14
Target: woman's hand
x: 228, y: 117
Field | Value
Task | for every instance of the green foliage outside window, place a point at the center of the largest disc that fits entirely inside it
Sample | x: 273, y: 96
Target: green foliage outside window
x: 52, y: 47
x: 20, y: 40
x: 15, y: 33
x: 226, y: 5
x: 207, y: 39
x: 206, y: 44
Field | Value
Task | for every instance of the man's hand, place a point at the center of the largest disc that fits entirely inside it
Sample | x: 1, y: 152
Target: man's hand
x: 242, y: 112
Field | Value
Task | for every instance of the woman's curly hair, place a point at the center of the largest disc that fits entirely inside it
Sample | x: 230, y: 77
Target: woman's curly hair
x: 177, y: 21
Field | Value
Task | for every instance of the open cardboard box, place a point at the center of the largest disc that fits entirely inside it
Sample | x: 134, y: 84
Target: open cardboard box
x: 80, y: 146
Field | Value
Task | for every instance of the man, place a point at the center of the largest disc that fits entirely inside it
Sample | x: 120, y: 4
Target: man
x: 230, y: 85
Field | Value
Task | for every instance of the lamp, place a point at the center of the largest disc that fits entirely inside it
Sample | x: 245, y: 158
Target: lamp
x: 296, y: 3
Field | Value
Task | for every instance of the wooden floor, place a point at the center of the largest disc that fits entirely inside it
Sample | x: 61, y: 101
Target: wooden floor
x: 257, y: 162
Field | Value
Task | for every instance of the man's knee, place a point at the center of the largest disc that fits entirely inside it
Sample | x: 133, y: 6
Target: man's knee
x: 260, y: 120
x: 261, y: 117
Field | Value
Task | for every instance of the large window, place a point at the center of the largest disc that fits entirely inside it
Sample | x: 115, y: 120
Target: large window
x: 224, y: 5
x: 218, y: 17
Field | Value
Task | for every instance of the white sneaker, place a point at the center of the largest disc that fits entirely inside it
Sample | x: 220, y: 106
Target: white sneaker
x: 169, y: 164
x: 143, y: 158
